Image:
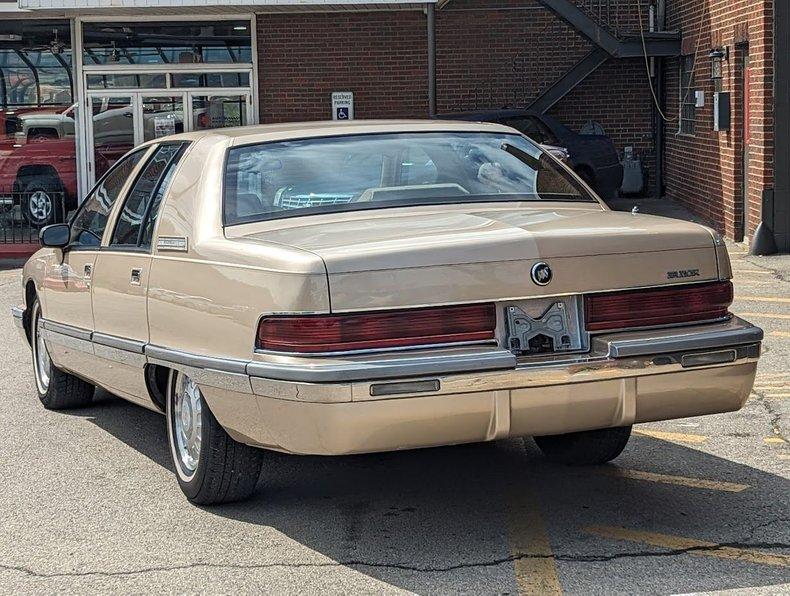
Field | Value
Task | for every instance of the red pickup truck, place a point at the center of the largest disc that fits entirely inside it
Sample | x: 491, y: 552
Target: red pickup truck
x: 40, y: 169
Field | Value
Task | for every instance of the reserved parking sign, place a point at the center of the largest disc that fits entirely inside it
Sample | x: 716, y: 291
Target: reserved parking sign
x: 342, y: 105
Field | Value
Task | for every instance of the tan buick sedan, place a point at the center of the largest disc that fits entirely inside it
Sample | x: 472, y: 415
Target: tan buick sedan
x: 334, y: 288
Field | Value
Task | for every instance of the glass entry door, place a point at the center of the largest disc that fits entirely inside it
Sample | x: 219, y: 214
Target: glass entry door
x: 120, y: 120
x: 221, y: 110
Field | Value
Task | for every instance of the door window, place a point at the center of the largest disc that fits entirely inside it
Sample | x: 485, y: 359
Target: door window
x: 144, y: 198
x: 90, y: 220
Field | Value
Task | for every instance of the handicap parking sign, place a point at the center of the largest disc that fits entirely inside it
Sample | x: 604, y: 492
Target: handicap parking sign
x: 342, y: 105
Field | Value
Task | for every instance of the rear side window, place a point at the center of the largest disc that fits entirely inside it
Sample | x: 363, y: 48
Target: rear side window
x: 136, y: 221
x: 89, y: 222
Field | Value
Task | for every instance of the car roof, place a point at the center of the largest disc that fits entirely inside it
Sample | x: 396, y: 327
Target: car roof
x: 298, y: 130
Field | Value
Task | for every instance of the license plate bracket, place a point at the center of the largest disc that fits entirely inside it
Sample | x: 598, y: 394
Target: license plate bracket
x: 544, y: 326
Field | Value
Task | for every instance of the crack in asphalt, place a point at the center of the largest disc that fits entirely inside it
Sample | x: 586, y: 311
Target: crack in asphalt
x: 775, y: 417
x: 570, y: 558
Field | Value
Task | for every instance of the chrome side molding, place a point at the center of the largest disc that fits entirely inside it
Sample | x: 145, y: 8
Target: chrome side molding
x: 68, y: 330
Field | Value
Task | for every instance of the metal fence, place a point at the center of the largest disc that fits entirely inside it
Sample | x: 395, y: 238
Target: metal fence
x: 16, y: 226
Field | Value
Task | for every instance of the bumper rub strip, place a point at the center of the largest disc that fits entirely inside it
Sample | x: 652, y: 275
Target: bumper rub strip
x: 401, y: 366
x: 734, y: 333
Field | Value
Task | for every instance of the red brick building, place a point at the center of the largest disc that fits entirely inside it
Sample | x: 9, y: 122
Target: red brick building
x: 648, y: 72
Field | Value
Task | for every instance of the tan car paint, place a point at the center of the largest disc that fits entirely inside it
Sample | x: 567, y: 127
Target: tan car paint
x: 207, y: 300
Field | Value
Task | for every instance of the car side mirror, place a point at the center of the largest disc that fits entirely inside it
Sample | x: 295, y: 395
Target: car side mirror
x: 55, y: 235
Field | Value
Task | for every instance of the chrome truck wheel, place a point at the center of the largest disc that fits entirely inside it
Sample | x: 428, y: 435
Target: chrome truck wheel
x: 210, y: 466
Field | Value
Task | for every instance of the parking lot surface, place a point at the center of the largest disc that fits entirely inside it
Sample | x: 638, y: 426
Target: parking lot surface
x: 88, y: 501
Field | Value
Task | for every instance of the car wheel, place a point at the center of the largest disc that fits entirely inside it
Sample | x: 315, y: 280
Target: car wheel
x: 41, y: 204
x: 586, y: 448
x: 57, y: 389
x: 210, y: 466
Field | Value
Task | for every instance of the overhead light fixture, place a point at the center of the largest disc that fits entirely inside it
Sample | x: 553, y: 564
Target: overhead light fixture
x: 240, y: 28
x: 10, y: 37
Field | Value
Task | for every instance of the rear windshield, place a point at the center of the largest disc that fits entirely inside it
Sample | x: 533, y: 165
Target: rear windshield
x: 348, y: 173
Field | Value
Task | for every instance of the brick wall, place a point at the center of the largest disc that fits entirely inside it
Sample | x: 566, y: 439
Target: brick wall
x: 490, y: 54
x: 705, y: 171
x: 380, y: 56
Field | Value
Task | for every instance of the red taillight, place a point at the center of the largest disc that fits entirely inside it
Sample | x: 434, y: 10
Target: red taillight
x: 376, y: 330
x: 661, y: 306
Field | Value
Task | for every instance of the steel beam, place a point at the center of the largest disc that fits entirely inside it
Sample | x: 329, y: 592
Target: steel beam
x: 577, y: 18
x: 580, y: 71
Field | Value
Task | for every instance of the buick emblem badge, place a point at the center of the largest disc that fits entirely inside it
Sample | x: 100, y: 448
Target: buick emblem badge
x: 541, y: 273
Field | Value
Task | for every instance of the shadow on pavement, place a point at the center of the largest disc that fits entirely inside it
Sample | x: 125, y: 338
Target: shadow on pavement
x: 436, y: 519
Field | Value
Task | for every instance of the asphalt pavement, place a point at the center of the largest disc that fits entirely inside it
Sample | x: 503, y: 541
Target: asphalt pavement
x: 88, y: 501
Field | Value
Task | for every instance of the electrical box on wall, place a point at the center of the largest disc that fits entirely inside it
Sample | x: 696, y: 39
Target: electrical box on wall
x: 721, y: 111
x: 699, y: 99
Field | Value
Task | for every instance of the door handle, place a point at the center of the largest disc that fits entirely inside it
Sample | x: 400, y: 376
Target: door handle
x: 88, y: 270
x: 136, y: 276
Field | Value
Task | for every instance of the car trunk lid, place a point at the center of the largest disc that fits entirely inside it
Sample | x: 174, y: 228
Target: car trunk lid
x: 393, y: 258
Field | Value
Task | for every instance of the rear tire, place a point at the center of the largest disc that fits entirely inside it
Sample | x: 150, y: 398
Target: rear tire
x: 57, y: 390
x: 586, y: 448
x: 210, y: 466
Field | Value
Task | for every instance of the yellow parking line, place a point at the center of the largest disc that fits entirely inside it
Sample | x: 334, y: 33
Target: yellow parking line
x: 766, y: 315
x: 731, y: 487
x: 763, y: 299
x: 763, y: 271
x: 675, y: 437
x: 535, y: 567
x: 780, y: 333
x: 777, y: 395
x: 774, y: 440
x: 693, y: 546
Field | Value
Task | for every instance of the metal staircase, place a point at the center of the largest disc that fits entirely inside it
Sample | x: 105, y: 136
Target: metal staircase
x: 599, y: 21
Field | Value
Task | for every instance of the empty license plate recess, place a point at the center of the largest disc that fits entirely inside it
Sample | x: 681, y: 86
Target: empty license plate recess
x: 545, y: 326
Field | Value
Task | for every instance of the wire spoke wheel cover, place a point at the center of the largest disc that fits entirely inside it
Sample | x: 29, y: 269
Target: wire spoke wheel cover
x: 187, y: 424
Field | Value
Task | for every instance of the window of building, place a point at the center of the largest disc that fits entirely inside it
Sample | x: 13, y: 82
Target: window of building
x: 688, y: 100
x: 176, y: 42
x: 37, y: 128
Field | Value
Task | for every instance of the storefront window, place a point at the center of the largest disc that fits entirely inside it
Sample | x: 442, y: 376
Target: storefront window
x: 225, y: 42
x: 38, y: 182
